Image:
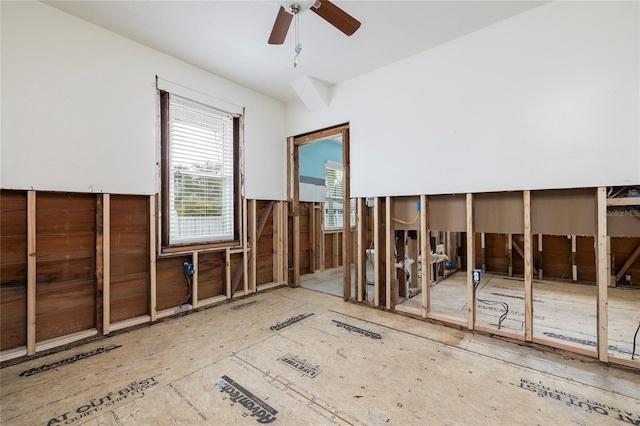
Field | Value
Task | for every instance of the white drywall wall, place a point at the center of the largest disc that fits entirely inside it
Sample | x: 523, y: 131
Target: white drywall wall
x: 79, y: 109
x: 545, y: 99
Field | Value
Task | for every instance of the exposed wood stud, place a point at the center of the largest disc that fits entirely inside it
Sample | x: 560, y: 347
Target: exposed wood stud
x: 540, y: 264
x: 296, y: 250
x: 603, y: 274
x: 360, y: 249
x: 321, y: 250
x: 291, y: 174
x: 227, y: 273
x: 510, y: 253
x: 278, y: 260
x: 622, y: 202
x: 528, y: 268
x: 99, y: 274
x: 611, y: 262
x: 425, y: 253
x: 398, y: 276
x: 312, y: 238
x: 390, y: 260
x: 295, y: 203
x: 245, y: 248
x: 413, y: 252
x: 152, y: 257
x: 275, y: 258
x: 483, y: 255
x: 336, y: 249
x: 106, y: 256
x: 285, y: 242
x: 376, y: 253
x: 574, y: 262
x: 319, y: 237
x: 459, y: 246
x: 194, y: 280
x: 471, y: 300
x: 346, y: 216
x: 253, y: 256
x: 31, y: 272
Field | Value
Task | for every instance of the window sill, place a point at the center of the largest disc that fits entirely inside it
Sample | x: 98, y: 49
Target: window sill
x: 337, y: 230
x: 170, y: 251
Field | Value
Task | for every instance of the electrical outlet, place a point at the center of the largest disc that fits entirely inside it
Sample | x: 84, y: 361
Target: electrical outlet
x: 189, y: 269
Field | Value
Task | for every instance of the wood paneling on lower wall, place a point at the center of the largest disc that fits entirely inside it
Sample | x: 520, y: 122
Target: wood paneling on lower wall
x: 211, y: 271
x: 305, y: 261
x: 68, y: 294
x: 265, y: 247
x: 556, y: 256
x: 622, y: 248
x: 13, y: 269
x: 65, y: 266
x: 171, y: 282
x: 496, y: 258
x: 586, y: 259
x: 129, y: 244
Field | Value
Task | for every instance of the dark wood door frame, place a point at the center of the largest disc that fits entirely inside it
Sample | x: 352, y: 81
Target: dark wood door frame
x: 293, y: 197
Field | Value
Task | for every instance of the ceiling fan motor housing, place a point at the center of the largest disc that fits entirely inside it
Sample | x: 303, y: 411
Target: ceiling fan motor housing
x: 298, y: 6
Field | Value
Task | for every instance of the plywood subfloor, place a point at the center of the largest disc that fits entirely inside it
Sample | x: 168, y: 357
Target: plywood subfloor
x: 329, y: 281
x: 565, y: 313
x: 249, y: 362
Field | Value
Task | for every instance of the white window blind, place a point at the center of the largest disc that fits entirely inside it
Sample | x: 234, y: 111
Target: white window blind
x: 200, y: 172
x: 333, y: 210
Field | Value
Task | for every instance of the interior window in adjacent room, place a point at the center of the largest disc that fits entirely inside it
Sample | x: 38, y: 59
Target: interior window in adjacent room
x: 334, y: 184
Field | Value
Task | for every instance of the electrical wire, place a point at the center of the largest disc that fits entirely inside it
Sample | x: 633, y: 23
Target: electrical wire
x: 405, y: 222
x: 505, y: 306
x: 635, y: 336
x: 188, y: 296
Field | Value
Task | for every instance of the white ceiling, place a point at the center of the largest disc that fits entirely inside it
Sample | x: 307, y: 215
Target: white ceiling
x: 229, y: 38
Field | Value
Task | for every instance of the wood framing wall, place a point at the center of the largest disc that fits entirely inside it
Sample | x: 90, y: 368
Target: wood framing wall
x: 75, y: 265
x: 13, y: 269
x: 574, y: 235
x: 319, y: 249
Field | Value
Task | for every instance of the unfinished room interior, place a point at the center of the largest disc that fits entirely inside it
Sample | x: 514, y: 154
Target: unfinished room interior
x: 330, y: 212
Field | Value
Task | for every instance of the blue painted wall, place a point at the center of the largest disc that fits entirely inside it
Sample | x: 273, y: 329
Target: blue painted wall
x: 314, y: 156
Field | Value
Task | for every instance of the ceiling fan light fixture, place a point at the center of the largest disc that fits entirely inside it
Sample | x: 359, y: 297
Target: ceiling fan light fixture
x: 297, y: 6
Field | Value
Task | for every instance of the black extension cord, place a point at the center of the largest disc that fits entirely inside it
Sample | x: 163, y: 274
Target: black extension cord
x: 505, y: 306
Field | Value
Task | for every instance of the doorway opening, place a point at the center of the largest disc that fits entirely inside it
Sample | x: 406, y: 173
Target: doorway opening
x: 321, y: 213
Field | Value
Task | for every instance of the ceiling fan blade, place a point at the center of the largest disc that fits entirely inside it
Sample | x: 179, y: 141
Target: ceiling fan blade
x: 336, y: 17
x: 280, y: 27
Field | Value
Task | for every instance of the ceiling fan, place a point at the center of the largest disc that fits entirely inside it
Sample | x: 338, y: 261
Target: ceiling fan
x: 324, y: 8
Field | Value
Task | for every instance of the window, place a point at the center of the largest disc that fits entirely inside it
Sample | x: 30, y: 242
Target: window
x: 199, y: 170
x: 333, y: 211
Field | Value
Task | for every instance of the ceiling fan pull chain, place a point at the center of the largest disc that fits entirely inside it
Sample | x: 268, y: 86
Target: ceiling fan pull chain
x: 295, y: 58
x: 298, y: 47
